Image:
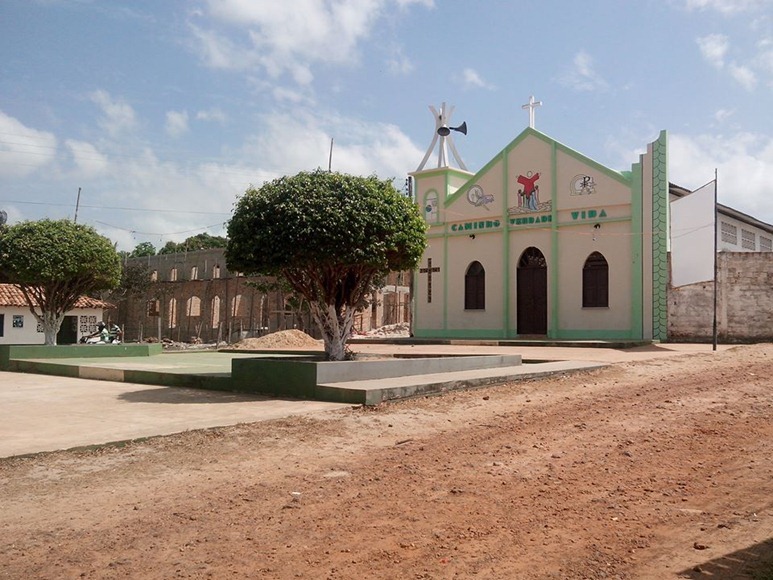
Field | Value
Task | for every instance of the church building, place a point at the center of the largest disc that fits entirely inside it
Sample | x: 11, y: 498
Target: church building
x: 542, y: 242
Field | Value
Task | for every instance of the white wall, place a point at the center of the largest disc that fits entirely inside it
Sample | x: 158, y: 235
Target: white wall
x: 28, y: 332
x: 754, y: 236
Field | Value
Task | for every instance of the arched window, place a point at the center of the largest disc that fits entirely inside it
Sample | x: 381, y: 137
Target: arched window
x: 173, y: 275
x: 595, y: 282
x: 172, y: 313
x: 236, y: 305
x: 431, y: 213
x: 193, y: 307
x: 215, y: 311
x: 194, y: 272
x: 475, y: 287
x: 154, y: 276
x: 216, y: 271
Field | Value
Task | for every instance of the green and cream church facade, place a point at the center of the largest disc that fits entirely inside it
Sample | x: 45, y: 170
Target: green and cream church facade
x: 541, y: 242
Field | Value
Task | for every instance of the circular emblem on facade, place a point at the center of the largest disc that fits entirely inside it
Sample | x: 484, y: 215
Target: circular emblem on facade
x: 475, y: 195
x: 582, y: 185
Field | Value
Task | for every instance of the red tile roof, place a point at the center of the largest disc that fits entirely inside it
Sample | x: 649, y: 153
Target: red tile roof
x: 11, y: 295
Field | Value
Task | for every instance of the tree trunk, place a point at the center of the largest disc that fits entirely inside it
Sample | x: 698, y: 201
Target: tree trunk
x: 52, y: 322
x: 336, y: 327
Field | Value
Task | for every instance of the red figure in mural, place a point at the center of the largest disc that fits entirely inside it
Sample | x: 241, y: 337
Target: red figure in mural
x: 529, y: 195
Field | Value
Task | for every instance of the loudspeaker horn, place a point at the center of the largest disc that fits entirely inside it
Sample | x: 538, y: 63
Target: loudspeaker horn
x: 445, y: 130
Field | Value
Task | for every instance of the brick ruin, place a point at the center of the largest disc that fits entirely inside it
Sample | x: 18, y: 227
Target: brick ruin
x: 193, y: 297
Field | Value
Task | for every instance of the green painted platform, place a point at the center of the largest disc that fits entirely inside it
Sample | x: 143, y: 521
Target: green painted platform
x: 290, y: 374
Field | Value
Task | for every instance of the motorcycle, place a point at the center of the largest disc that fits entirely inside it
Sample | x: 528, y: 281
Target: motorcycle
x: 104, y: 335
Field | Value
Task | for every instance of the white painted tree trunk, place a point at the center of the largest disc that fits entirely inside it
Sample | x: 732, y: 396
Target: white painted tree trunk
x: 335, y: 328
x: 51, y: 322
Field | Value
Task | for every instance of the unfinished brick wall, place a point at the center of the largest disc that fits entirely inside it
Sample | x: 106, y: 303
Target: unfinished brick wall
x: 744, y: 302
x: 194, y: 297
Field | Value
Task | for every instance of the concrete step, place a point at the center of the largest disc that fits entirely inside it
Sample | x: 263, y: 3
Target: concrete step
x: 375, y: 391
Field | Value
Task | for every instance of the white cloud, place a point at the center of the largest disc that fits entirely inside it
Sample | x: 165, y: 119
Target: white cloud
x: 176, y: 123
x: 289, y: 143
x: 472, y: 80
x: 426, y: 3
x: 582, y: 75
x: 214, y: 114
x: 289, y: 37
x: 284, y: 94
x: 398, y: 63
x: 727, y: 6
x: 764, y: 58
x: 744, y: 162
x: 218, y: 51
x: 723, y: 114
x: 713, y: 48
x: 23, y: 149
x: 744, y: 76
x: 118, y: 116
x: 89, y: 161
x: 162, y: 193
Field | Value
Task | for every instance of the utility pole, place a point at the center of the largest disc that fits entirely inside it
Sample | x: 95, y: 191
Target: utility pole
x: 77, y: 204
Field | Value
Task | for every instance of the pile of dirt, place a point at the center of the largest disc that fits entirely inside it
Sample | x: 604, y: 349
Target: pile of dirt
x: 401, y: 329
x: 281, y: 339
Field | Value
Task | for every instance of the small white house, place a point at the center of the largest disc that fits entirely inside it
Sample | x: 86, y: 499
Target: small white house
x: 19, y: 326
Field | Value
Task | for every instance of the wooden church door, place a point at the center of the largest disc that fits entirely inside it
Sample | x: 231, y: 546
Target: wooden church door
x: 532, y: 293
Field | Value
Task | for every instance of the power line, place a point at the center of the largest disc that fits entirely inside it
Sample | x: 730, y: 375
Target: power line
x: 154, y: 234
x: 148, y: 210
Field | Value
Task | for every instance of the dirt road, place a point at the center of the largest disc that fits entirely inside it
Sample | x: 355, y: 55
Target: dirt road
x: 654, y: 469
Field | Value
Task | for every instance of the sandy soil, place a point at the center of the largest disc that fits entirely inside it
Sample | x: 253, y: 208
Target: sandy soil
x: 280, y: 339
x: 654, y: 469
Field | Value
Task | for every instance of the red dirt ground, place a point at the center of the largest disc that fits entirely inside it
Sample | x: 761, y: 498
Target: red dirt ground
x: 655, y: 469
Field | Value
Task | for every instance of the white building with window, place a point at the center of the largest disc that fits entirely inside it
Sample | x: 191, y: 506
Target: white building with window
x: 736, y: 231
x: 19, y: 326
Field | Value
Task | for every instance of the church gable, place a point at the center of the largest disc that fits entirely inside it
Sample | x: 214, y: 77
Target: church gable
x: 480, y: 197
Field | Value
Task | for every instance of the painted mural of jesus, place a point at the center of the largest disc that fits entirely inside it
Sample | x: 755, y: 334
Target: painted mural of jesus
x: 529, y: 195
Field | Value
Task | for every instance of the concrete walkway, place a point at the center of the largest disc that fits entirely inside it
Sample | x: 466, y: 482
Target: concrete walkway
x: 48, y: 413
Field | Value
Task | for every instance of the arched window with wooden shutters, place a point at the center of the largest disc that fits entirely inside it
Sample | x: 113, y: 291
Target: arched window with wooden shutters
x: 595, y: 282
x: 475, y: 287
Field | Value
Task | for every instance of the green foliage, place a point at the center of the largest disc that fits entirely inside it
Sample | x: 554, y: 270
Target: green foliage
x: 142, y: 250
x: 330, y: 236
x: 169, y: 248
x: 55, y: 263
x: 135, y: 280
x: 59, y: 252
x: 320, y: 219
x: 202, y: 241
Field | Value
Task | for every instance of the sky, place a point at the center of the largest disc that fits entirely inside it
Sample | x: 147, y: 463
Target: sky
x: 163, y: 113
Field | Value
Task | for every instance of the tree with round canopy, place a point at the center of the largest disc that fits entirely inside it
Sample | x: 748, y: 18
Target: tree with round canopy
x: 55, y: 262
x: 331, y: 236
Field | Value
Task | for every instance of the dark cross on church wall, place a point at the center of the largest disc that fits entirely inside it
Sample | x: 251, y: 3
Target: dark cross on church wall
x: 428, y: 271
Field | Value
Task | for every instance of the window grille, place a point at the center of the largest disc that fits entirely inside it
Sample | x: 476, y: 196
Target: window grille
x: 729, y: 233
x: 748, y: 240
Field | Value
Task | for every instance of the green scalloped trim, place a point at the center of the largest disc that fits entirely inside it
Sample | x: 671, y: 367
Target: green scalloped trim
x: 660, y: 238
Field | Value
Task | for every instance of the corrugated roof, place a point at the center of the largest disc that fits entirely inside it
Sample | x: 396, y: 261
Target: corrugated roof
x: 11, y: 295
